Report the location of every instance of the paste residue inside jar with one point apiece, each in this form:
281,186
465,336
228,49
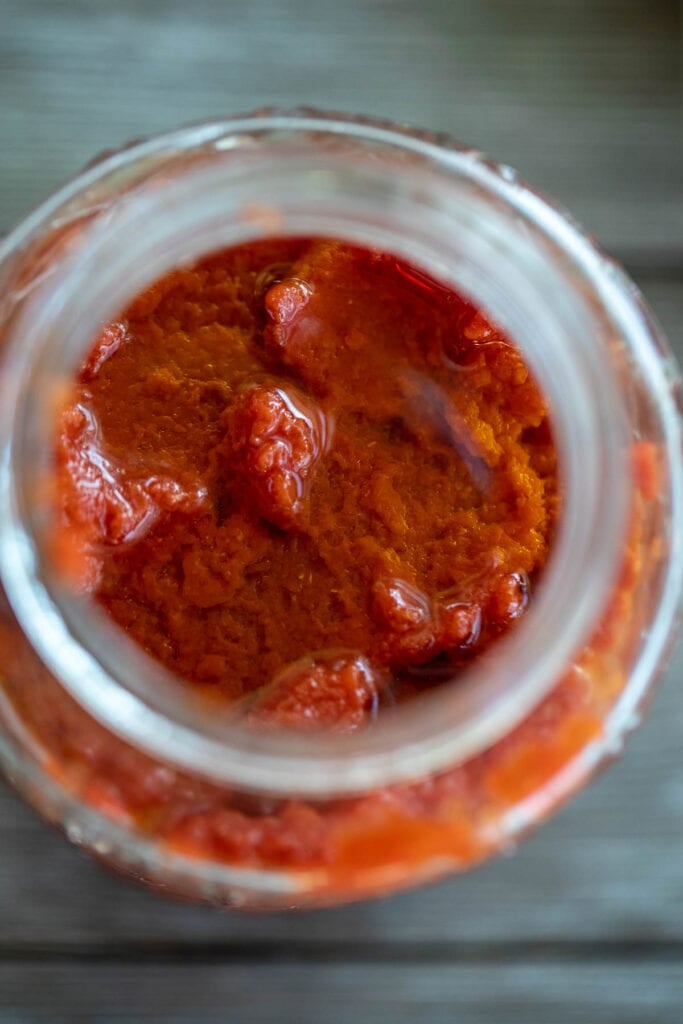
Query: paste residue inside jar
308,479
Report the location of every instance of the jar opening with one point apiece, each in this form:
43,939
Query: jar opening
464,224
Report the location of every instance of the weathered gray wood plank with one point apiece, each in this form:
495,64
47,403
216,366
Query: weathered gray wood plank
529,993
581,97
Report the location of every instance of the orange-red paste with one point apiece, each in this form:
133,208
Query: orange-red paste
307,478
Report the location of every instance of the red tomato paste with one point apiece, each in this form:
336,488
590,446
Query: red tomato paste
307,478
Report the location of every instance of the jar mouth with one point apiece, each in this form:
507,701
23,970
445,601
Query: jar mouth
466,223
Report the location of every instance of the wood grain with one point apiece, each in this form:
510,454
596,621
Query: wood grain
535,993
581,97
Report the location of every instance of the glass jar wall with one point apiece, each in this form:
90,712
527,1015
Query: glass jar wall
103,741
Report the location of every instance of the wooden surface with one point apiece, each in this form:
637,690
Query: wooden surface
585,923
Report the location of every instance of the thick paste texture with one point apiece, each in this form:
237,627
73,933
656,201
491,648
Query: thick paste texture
307,479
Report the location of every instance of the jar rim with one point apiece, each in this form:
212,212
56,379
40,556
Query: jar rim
64,633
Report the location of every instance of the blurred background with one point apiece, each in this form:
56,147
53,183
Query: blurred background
586,922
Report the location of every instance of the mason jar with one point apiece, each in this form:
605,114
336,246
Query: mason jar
104,742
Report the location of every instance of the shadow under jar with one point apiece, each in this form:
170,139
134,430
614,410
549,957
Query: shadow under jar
167,782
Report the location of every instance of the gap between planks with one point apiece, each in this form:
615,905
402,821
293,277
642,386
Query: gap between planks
553,951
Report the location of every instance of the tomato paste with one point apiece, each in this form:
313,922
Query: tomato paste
307,478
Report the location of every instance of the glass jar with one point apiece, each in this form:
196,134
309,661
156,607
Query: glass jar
100,739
